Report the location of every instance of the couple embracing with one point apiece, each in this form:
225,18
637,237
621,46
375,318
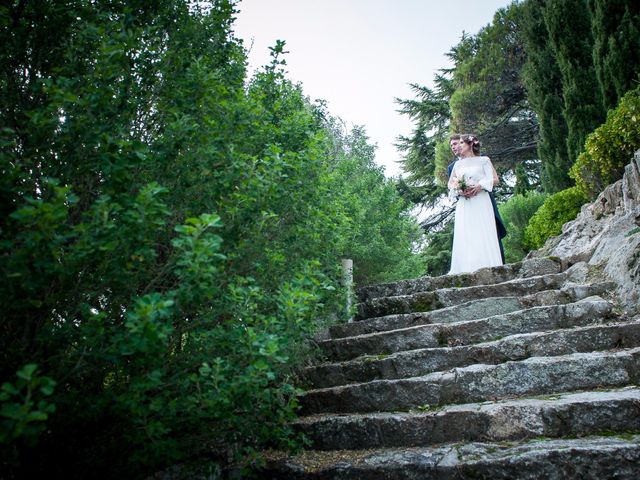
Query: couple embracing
478,227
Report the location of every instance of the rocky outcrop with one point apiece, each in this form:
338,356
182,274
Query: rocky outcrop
606,235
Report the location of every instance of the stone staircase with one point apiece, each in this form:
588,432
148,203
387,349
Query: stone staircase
524,371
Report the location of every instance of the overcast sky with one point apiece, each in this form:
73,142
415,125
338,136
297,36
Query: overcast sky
359,55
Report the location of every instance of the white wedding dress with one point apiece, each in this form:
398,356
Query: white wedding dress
475,240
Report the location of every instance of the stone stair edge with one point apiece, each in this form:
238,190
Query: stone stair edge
632,350
630,391
552,416
513,281
499,349
426,334
480,382
543,291
525,267
486,343
590,299
598,456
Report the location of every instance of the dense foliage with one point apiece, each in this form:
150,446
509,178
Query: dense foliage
171,236
516,213
541,75
556,210
609,148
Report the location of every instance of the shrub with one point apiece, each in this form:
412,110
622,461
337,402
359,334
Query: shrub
556,210
609,148
516,213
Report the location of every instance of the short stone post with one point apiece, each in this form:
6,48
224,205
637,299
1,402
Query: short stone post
347,281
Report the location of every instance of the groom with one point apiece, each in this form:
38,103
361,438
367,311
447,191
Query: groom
454,143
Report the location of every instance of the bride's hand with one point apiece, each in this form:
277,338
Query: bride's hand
472,191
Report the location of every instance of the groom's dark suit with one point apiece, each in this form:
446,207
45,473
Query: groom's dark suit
502,231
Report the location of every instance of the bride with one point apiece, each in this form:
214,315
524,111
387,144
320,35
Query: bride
475,240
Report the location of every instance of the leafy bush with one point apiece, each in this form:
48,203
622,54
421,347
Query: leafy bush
556,210
610,147
172,236
516,213
24,409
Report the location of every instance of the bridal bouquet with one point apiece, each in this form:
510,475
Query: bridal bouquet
461,184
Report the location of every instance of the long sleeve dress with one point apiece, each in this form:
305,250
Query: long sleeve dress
475,240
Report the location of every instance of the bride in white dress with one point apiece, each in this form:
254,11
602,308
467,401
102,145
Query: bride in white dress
475,241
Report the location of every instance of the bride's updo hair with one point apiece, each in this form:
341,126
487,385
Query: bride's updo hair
471,139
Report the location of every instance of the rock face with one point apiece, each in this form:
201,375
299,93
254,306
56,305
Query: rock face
524,371
606,234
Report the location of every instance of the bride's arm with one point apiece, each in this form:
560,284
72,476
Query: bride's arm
489,177
496,180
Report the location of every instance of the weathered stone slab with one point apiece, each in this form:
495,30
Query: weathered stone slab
576,414
593,458
465,332
481,308
475,383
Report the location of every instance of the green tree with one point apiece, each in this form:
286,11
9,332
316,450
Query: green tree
615,26
430,112
609,147
383,237
542,78
569,25
437,254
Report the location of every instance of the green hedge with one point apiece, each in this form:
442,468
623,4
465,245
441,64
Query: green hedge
557,209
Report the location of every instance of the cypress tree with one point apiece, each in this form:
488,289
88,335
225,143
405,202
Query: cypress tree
616,49
569,26
543,82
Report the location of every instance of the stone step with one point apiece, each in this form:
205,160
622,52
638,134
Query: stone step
586,311
471,310
484,276
573,414
420,362
590,458
447,297
476,383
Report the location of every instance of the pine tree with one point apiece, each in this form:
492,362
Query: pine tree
616,49
569,26
543,82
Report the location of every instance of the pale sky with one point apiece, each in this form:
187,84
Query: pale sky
359,55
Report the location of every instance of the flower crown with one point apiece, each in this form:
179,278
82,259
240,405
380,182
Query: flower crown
468,138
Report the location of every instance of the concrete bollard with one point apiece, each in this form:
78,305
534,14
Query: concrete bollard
347,281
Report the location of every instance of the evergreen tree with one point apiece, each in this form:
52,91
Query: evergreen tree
543,82
569,26
430,113
616,50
